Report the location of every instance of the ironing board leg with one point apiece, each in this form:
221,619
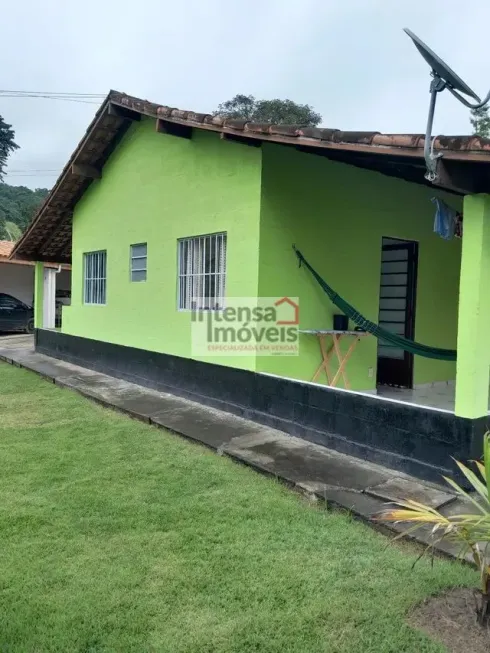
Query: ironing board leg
324,365
343,362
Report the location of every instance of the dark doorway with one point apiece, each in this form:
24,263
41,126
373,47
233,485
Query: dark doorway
397,309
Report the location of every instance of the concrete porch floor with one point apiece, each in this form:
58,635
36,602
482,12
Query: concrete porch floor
437,395
345,482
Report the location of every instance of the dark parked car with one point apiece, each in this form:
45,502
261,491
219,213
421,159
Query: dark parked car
15,315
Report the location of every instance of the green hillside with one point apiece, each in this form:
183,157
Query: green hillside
18,205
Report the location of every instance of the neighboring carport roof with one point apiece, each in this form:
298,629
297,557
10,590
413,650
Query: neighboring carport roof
465,167
6,249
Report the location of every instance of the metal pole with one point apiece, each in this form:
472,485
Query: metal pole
436,86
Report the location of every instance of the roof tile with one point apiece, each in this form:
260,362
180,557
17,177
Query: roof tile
6,247
54,217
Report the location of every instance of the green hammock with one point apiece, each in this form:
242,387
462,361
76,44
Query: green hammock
383,334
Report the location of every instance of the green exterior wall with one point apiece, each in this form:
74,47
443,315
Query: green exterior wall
157,188
337,215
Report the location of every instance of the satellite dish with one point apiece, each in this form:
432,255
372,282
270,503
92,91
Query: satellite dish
444,77
440,68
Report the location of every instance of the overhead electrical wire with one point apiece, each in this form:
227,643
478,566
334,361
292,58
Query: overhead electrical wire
50,97
54,93
82,98
33,174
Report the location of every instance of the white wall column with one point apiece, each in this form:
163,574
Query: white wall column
49,298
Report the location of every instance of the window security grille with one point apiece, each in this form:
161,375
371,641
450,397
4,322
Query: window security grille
201,272
94,277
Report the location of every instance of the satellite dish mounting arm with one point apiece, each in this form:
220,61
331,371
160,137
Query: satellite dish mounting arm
464,101
436,86
443,77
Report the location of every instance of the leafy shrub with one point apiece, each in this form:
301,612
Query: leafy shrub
470,531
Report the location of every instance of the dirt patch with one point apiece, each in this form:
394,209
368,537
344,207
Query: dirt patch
451,620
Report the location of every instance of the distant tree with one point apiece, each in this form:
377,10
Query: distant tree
276,112
7,144
18,205
480,121
241,106
12,230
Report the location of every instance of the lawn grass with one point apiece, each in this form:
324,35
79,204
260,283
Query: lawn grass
117,536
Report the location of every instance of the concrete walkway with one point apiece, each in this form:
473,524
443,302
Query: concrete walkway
342,481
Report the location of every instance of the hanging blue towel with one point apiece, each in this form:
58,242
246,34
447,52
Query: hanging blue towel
445,219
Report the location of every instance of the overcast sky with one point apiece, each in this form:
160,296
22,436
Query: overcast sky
349,59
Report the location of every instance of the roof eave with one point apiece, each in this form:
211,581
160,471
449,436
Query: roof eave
362,149
17,251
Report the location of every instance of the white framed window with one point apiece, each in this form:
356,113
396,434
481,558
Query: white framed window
139,262
94,277
201,272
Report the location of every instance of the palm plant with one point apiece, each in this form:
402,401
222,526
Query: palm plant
470,531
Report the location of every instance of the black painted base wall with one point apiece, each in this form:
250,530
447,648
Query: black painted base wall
413,439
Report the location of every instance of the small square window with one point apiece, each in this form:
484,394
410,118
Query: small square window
138,262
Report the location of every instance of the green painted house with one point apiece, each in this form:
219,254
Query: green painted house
157,204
